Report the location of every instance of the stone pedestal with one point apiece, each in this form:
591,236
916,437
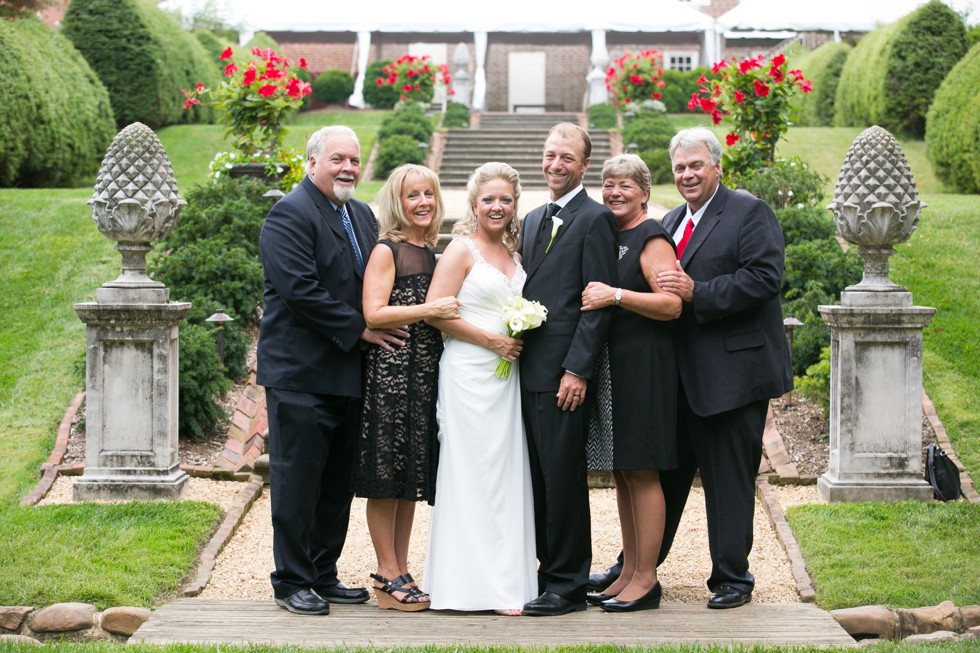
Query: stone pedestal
131,360
131,402
875,398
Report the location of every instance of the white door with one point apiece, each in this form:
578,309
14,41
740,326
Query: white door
525,81
438,55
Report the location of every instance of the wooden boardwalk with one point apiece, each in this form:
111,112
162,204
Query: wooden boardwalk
197,620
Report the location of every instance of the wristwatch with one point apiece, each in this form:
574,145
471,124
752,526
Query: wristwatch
618,297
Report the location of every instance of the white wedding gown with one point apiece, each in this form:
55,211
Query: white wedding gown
481,553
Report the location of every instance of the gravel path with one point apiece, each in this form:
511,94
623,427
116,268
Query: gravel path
242,570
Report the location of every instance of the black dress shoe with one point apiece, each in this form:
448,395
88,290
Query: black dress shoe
727,596
599,582
649,601
304,602
596,599
340,593
550,604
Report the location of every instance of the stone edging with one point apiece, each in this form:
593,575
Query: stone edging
778,468
24,624
804,584
232,520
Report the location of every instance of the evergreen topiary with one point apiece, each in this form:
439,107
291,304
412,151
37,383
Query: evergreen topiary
394,151
333,86
891,76
143,56
679,86
457,116
55,120
823,67
379,96
650,132
603,116
953,126
201,381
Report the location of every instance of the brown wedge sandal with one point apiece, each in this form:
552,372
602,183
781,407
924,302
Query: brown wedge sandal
413,601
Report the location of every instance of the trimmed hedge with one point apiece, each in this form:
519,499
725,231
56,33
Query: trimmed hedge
651,132
823,67
678,87
891,76
333,86
457,116
213,44
144,57
55,120
953,126
379,97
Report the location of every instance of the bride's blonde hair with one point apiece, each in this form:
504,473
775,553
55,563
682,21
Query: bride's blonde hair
466,226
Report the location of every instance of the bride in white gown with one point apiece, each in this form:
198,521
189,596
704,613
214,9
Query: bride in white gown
481,553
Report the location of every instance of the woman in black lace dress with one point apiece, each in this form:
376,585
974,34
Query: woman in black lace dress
396,462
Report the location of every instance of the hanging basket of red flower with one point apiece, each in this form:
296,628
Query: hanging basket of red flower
415,78
634,78
253,101
757,97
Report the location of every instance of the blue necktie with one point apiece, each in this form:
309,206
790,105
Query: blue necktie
349,228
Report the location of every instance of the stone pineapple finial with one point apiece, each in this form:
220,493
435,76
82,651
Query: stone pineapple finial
135,201
876,204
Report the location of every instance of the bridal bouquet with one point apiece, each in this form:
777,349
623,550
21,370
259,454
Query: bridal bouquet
520,315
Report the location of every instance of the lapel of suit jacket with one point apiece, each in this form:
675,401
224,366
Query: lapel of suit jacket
567,215
709,220
332,218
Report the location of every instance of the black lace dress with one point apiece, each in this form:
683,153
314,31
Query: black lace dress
397,448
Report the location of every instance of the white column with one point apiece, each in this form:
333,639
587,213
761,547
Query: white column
597,76
363,50
480,77
712,46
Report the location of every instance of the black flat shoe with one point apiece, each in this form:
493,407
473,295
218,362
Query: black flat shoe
596,599
649,601
602,580
550,604
340,593
305,602
727,596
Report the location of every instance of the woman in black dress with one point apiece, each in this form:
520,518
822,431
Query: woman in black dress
396,462
643,377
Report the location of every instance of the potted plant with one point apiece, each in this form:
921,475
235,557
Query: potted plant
253,102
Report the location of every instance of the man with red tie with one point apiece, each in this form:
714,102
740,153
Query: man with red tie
732,356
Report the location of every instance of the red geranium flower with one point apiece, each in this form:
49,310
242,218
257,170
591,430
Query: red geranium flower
806,85
249,76
731,139
226,54
268,90
231,69
762,90
739,97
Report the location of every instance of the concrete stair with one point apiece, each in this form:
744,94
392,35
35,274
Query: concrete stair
515,138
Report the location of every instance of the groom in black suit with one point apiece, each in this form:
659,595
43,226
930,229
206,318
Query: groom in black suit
565,244
313,247
732,355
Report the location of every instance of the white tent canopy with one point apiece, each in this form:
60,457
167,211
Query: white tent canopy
825,15
443,16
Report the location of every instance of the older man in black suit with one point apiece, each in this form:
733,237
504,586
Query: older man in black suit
566,244
313,247
732,355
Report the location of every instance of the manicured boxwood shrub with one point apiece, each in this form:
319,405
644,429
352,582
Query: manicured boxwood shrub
650,132
953,126
457,116
804,223
202,379
333,86
678,87
891,76
406,122
144,57
822,67
211,260
787,182
603,116
55,119
379,97
394,151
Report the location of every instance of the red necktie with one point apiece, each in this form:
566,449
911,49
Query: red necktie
688,230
